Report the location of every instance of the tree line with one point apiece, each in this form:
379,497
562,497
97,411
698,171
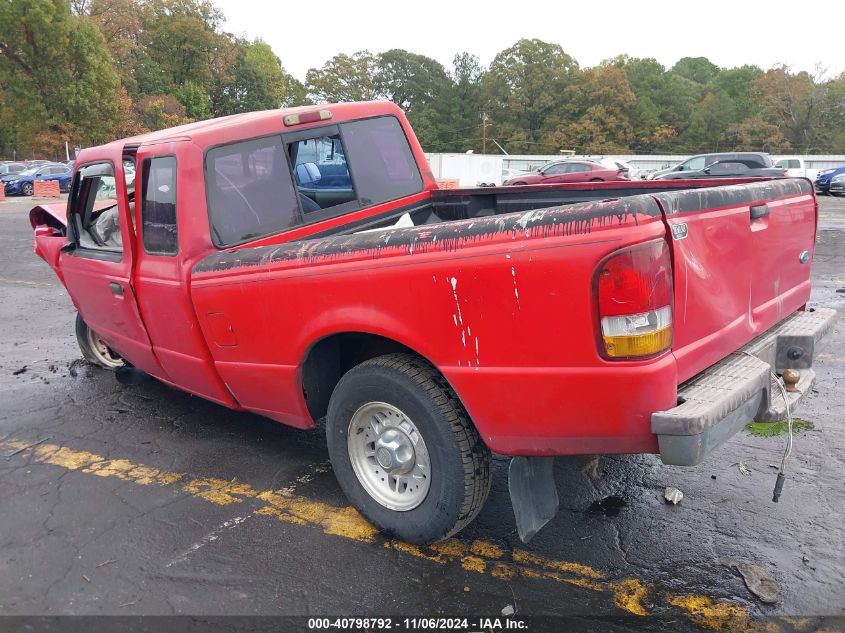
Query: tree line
89,71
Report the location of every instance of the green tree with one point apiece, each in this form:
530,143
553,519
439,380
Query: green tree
527,88
56,73
698,69
179,36
343,78
194,100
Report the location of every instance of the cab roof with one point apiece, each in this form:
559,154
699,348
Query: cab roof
251,124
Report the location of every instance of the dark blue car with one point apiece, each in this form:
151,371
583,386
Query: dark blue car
22,183
831,181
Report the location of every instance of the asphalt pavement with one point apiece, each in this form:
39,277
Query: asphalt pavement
145,500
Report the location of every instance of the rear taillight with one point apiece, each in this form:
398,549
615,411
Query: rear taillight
634,287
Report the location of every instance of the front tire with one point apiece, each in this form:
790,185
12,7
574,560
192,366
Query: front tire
94,349
404,450
26,189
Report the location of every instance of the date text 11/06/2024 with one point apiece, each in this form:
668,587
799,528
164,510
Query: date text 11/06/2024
464,625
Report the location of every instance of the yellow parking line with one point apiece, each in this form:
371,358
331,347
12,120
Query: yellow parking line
479,556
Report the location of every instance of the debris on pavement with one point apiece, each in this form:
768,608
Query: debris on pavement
20,371
673,495
27,447
609,506
758,581
508,610
745,470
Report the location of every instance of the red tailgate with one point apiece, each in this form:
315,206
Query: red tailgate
742,257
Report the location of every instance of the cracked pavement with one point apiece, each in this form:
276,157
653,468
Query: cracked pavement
72,542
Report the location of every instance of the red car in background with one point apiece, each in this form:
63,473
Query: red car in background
569,171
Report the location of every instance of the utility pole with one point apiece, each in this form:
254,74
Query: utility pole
485,122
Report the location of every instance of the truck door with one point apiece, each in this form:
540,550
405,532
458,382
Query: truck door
97,262
166,192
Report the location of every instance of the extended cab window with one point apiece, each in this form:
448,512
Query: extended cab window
249,191
158,206
95,216
694,164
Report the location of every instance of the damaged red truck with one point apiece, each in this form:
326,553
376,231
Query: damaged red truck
303,264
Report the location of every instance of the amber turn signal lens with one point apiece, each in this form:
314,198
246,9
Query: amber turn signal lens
634,345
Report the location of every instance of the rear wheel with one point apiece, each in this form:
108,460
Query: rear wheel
404,450
93,348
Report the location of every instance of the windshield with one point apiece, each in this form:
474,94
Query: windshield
29,172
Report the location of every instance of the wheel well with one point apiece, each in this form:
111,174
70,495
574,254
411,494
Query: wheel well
332,357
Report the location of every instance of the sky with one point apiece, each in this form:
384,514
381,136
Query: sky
307,34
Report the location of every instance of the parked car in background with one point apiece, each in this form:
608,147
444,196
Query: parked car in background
837,185
632,173
824,181
797,168
23,183
701,161
509,174
11,168
569,171
732,168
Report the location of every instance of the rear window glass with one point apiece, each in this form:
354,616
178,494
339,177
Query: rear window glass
383,166
249,191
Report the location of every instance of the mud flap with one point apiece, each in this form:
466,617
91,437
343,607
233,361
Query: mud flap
130,376
533,494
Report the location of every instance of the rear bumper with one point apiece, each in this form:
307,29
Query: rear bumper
719,401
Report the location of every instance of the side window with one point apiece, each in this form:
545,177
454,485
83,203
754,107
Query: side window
728,168
94,209
249,191
694,164
794,164
580,167
158,206
321,173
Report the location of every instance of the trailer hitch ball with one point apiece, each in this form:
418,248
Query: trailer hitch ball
790,379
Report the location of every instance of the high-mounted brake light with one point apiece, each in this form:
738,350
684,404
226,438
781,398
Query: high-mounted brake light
307,117
634,288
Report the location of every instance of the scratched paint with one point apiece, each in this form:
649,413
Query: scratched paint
691,200
480,557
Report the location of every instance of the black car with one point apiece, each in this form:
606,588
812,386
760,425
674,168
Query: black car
700,161
730,168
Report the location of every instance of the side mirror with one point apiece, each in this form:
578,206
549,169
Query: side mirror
706,170
679,168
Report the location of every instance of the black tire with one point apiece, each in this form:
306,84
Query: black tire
518,184
459,461
26,189
105,358
596,180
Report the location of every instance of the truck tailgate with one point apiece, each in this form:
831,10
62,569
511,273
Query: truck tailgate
742,259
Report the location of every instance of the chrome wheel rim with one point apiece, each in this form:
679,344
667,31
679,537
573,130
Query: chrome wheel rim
389,456
103,353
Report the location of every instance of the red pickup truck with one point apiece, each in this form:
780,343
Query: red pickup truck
303,264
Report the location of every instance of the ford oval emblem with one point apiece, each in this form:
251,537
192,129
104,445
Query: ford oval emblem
804,257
